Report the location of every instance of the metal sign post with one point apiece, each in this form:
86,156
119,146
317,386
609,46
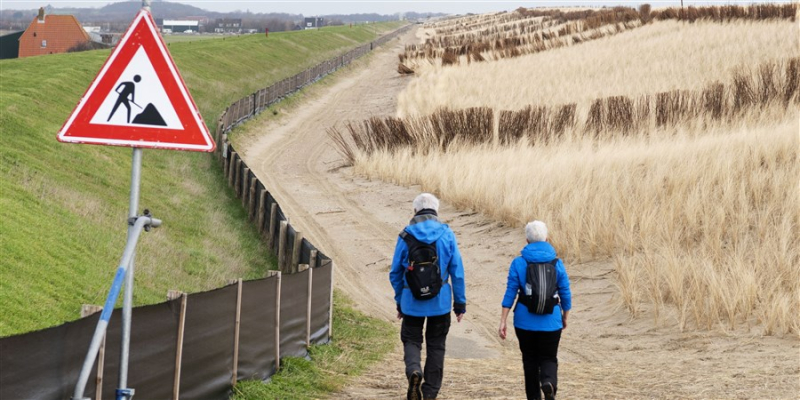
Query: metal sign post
124,274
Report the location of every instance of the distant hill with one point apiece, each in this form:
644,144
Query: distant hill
117,16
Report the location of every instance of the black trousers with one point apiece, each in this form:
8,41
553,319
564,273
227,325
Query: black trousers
539,359
435,337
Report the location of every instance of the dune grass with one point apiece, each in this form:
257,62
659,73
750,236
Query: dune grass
699,217
63,207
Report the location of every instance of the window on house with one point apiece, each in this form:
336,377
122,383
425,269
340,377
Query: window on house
44,43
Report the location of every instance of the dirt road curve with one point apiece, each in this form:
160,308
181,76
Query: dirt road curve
603,353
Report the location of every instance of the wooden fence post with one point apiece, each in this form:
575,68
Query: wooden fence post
273,219
312,259
176,388
251,201
245,189
298,244
262,208
330,311
304,267
87,310
237,177
282,246
231,168
277,274
236,332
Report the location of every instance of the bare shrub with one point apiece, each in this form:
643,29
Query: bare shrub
644,13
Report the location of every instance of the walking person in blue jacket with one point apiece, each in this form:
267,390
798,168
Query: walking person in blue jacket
538,334
415,304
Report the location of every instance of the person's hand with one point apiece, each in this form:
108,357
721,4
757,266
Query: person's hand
399,312
502,330
460,309
564,320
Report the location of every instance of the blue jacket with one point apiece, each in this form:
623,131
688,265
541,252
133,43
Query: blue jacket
428,229
523,319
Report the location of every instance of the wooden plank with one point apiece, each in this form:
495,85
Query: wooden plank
298,244
262,210
245,187
237,177
176,388
330,311
304,267
87,310
282,246
278,323
251,201
231,168
236,332
312,262
273,219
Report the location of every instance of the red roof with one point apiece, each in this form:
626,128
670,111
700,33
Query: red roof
54,34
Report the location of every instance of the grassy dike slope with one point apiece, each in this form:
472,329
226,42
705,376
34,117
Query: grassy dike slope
63,206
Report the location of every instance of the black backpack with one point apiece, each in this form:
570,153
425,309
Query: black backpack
540,293
423,274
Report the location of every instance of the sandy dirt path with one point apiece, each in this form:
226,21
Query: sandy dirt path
603,353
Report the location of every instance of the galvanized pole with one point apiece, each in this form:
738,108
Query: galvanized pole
123,393
127,305
111,299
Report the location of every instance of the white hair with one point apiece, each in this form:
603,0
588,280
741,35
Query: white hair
426,200
536,231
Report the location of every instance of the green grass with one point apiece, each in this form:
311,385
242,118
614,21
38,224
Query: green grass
192,38
63,207
358,343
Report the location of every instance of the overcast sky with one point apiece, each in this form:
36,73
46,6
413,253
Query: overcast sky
318,7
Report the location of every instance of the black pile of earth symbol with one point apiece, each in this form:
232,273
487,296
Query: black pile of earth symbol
150,116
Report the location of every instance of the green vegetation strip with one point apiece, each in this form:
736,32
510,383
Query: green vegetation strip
63,206
358,342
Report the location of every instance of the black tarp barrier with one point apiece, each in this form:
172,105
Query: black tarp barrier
153,345
305,252
45,364
257,329
294,305
320,303
208,344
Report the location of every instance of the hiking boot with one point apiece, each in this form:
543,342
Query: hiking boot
415,386
549,391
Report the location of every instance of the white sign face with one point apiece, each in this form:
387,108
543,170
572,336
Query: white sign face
138,99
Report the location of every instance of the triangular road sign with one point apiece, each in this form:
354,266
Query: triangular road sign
138,99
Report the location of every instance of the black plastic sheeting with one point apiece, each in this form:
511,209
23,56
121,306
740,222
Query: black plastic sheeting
320,303
293,314
208,344
153,345
257,329
45,364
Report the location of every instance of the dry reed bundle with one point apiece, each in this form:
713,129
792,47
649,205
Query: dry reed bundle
512,125
792,80
713,98
744,93
471,125
402,69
